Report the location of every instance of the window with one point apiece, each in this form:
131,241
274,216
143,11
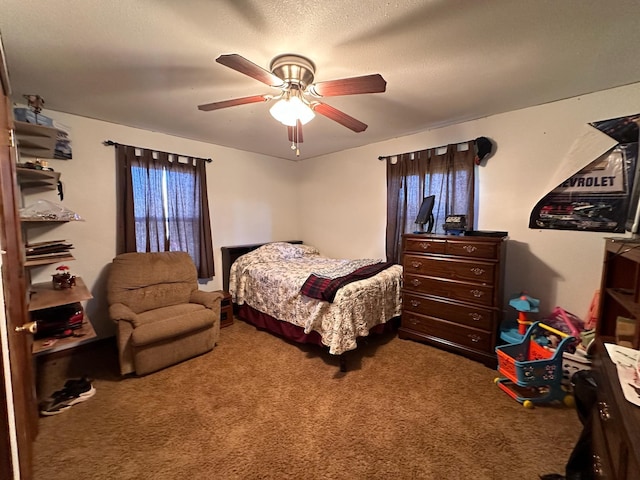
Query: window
163,205
446,173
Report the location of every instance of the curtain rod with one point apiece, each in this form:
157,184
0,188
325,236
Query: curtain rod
109,143
384,157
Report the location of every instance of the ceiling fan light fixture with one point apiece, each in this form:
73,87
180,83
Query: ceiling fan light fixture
289,110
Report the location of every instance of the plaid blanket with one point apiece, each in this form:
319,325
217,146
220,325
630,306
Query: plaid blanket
323,288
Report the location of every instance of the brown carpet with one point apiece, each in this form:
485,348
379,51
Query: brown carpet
258,407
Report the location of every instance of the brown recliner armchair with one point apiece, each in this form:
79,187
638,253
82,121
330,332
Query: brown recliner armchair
161,315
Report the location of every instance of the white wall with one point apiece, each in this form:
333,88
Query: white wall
338,202
345,195
253,198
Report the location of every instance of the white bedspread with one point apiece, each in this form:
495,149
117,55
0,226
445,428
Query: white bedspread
269,279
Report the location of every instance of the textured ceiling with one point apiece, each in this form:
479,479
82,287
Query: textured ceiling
149,63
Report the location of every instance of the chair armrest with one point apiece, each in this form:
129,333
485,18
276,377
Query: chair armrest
119,311
209,299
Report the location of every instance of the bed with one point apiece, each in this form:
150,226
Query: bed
343,299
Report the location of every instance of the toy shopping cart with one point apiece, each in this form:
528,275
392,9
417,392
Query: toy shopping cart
533,374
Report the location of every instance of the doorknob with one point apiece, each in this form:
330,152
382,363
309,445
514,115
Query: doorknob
31,327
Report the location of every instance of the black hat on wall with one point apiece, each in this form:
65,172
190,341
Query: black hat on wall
484,149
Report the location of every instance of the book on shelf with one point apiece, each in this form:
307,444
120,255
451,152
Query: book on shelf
45,243
51,256
41,248
54,249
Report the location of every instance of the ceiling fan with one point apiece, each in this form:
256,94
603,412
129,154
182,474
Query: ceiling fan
297,102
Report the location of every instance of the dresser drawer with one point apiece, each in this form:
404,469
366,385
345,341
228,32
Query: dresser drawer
466,292
469,248
612,447
474,271
610,424
460,335
601,461
424,245
473,316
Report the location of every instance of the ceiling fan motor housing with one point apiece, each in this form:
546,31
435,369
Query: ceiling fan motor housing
294,69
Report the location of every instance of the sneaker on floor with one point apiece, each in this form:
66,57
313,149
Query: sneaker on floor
64,399
71,386
77,381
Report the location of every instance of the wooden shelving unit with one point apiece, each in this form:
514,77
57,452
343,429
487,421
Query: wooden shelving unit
620,289
82,335
36,140
42,220
48,261
32,140
43,295
32,178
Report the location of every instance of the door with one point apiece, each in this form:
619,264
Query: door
18,405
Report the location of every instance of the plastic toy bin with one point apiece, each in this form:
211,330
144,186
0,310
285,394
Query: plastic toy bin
529,363
533,374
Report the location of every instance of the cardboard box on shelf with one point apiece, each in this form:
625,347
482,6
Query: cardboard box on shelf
625,330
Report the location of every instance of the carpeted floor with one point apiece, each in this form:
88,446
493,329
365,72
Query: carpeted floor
258,407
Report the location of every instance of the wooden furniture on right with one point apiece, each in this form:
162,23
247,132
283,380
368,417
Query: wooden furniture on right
616,421
616,424
620,288
452,293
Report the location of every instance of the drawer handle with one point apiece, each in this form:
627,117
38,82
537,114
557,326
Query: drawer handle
477,271
425,245
469,248
597,466
476,293
603,411
413,321
415,282
475,338
415,303
416,264
475,316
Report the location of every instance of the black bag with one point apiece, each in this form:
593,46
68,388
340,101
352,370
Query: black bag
580,463
58,321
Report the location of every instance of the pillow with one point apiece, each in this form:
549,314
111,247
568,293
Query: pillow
271,252
307,250
283,251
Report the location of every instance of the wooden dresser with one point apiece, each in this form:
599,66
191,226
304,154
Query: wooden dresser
452,293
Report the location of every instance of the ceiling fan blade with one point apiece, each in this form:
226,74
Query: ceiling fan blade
242,65
340,117
295,134
349,86
207,107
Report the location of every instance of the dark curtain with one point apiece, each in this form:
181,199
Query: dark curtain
412,176
163,205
